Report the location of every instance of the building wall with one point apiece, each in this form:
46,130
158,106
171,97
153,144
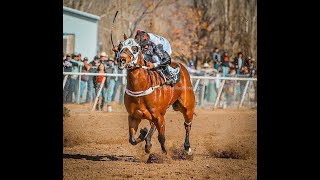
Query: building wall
86,33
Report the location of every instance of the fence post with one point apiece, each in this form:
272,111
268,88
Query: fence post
78,98
219,93
202,93
65,80
244,93
98,94
196,85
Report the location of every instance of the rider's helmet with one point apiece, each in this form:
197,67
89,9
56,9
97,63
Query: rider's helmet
142,38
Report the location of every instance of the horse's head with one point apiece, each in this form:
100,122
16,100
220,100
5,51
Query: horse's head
128,54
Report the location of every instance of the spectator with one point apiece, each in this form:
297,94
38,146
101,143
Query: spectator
251,67
216,58
90,90
225,63
97,81
110,68
84,78
80,57
212,93
191,68
67,90
205,83
103,57
76,66
238,62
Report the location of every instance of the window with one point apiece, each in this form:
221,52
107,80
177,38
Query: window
68,43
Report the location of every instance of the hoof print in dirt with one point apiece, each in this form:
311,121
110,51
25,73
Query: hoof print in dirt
156,158
228,154
180,154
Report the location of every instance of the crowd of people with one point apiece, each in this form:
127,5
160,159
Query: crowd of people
100,64
240,66
220,66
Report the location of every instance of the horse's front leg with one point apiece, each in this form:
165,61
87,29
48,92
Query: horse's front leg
148,138
133,127
160,124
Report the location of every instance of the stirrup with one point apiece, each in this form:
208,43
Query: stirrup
170,81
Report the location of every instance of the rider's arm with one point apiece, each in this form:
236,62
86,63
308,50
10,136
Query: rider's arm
163,55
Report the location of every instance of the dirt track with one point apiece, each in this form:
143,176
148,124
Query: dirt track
224,146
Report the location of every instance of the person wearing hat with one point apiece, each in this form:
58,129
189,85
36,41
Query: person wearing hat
248,61
103,57
66,62
77,65
67,90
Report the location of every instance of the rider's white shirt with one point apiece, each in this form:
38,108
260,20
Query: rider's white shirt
161,40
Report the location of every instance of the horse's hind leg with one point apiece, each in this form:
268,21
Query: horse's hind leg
187,109
187,124
148,145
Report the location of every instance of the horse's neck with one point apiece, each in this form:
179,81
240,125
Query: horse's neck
138,80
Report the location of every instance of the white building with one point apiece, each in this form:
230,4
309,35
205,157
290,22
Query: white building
80,32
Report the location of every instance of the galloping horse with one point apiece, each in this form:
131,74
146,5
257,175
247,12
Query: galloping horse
148,97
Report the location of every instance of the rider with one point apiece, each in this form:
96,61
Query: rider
156,51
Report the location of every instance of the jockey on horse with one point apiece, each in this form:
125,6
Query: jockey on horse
156,51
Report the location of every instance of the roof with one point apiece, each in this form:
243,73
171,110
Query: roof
81,13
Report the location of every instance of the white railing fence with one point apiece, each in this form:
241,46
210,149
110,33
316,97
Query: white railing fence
209,91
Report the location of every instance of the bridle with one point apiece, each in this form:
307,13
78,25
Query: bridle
134,56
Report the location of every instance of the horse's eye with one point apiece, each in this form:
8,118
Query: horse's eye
134,49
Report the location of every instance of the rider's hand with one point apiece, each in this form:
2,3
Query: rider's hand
115,49
150,65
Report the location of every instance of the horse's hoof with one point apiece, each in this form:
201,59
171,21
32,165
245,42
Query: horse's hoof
164,152
143,133
189,152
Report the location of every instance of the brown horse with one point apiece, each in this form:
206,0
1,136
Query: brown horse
147,97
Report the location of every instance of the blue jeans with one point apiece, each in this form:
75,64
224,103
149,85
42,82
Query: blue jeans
82,87
115,89
73,88
216,66
110,90
90,92
225,70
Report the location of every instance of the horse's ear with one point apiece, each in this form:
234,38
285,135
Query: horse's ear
125,36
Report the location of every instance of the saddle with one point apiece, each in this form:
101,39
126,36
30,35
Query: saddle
170,75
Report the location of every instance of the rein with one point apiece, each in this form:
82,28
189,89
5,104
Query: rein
133,65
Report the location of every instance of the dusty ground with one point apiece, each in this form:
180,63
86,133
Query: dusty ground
96,146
